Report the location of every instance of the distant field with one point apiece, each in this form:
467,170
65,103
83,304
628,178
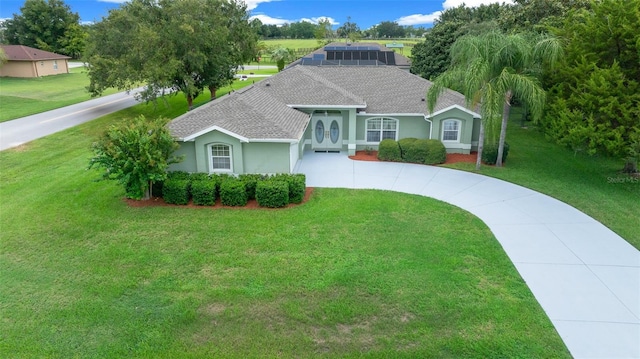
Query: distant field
311,44
21,97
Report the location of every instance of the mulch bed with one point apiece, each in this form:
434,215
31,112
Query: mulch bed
451,157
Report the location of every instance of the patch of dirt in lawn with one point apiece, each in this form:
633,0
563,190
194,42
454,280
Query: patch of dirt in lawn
451,157
252,204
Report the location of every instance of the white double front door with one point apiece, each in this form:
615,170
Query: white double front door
327,133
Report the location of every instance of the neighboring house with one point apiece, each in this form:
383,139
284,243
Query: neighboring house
354,54
265,128
24,61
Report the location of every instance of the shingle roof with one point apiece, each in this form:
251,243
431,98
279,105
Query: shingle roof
251,113
26,53
264,109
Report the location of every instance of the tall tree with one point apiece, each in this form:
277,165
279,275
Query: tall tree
489,69
324,31
431,57
594,102
45,25
348,30
389,29
182,45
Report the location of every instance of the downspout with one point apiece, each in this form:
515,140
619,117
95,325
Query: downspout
426,118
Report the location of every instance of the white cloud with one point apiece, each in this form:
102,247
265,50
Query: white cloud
268,20
252,4
418,19
471,3
316,20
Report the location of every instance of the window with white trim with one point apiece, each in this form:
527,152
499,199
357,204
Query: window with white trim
381,128
55,64
220,158
451,130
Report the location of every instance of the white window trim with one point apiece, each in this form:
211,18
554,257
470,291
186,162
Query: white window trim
210,154
366,125
459,130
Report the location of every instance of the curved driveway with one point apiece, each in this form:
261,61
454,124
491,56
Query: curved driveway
585,277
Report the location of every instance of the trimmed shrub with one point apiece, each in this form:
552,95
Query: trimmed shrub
198,176
404,144
233,192
250,182
204,192
297,185
156,189
388,150
272,193
181,175
490,153
415,151
176,191
436,153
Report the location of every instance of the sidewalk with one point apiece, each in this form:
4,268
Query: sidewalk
585,277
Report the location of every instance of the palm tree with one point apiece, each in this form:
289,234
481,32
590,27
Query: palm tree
491,69
281,55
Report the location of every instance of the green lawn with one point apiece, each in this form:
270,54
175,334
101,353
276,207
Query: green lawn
348,274
594,185
21,97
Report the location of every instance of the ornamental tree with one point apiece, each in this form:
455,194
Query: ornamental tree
136,153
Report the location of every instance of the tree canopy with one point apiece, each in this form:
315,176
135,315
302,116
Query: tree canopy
176,45
47,25
136,154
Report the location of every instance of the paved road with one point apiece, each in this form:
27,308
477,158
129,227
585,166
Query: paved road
25,129
585,277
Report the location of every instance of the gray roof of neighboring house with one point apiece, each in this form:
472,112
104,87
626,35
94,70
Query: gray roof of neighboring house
401,60
26,53
264,109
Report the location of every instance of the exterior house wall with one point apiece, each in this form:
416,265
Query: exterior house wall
261,157
188,164
202,152
34,68
408,126
463,145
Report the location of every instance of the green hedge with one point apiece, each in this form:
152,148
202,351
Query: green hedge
490,153
233,192
176,191
416,152
204,192
388,150
297,184
250,182
405,144
436,153
273,193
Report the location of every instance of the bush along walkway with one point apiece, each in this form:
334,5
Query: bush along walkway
585,277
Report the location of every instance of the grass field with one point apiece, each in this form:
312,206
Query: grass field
349,273
594,185
21,97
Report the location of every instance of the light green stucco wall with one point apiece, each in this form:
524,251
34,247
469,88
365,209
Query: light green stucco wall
266,157
408,126
466,131
188,164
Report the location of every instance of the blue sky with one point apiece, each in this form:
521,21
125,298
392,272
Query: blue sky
365,13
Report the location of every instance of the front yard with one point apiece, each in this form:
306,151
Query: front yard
349,273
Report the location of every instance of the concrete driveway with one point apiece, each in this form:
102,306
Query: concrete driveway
585,277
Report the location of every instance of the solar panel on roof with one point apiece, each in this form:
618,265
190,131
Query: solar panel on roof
318,56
